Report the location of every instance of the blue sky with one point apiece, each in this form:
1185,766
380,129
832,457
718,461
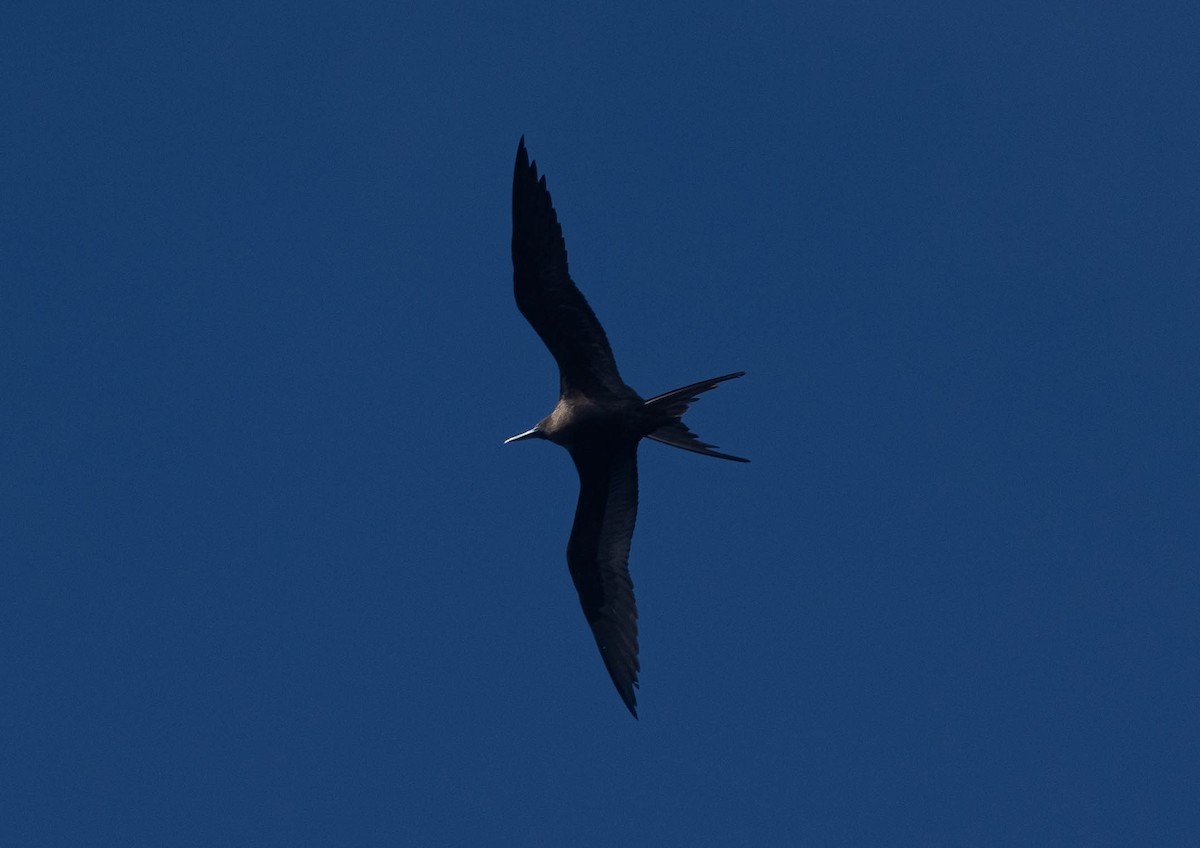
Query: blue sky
270,578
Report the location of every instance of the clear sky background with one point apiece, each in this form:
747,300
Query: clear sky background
269,577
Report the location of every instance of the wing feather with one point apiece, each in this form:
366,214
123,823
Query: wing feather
547,296
598,557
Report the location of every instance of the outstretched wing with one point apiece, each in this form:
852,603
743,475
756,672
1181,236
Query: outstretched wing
545,293
598,556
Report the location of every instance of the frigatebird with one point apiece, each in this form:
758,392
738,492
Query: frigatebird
598,419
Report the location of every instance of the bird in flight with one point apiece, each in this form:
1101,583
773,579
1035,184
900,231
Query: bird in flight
598,419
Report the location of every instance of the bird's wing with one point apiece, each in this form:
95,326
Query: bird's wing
598,556
545,293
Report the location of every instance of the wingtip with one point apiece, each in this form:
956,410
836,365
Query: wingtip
630,700
522,156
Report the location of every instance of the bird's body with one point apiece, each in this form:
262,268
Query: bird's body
579,420
598,419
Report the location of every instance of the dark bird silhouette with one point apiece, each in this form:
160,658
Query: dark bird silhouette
598,419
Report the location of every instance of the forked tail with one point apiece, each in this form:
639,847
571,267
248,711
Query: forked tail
673,405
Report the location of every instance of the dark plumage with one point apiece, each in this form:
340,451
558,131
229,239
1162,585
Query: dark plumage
598,419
